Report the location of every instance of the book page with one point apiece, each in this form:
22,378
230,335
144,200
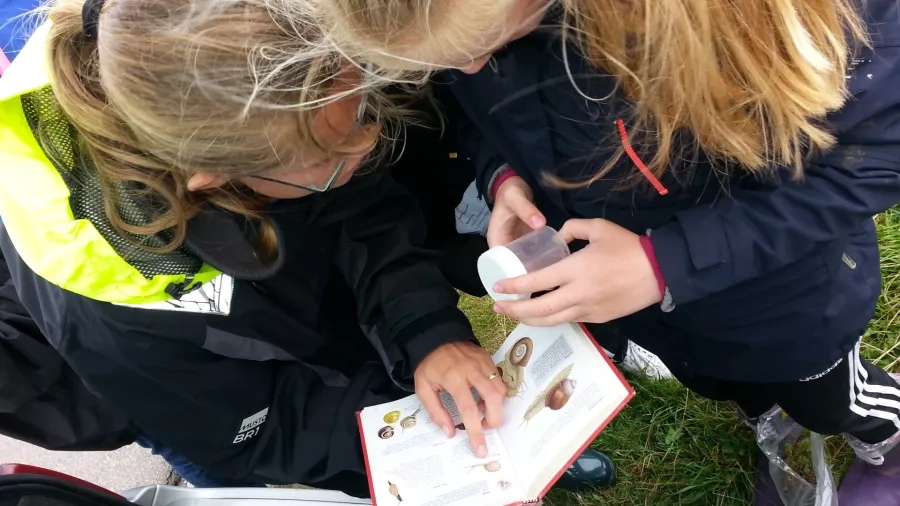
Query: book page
413,463
560,390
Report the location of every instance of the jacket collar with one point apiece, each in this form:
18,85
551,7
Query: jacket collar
226,242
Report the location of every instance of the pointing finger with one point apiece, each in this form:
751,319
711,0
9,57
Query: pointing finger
471,417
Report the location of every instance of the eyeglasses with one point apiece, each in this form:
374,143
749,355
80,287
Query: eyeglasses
360,114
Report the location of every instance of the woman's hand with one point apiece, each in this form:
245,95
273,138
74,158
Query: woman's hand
514,213
456,368
610,278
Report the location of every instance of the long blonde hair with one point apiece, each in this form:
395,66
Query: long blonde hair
751,80
169,88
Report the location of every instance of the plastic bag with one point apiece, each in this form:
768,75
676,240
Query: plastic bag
774,433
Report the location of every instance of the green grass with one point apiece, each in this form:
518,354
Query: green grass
674,448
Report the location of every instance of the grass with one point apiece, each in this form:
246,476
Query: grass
674,448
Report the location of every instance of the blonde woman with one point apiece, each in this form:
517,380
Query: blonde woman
720,162
182,218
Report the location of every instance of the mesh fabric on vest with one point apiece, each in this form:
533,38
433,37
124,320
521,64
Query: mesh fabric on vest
56,135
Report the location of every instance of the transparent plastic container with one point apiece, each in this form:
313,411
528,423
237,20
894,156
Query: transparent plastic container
532,252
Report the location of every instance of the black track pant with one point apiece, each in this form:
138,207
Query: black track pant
853,396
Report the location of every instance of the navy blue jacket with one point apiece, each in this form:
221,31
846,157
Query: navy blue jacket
772,281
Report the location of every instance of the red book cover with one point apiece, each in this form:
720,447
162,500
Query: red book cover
362,437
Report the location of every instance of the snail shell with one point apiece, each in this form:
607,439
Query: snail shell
521,352
492,467
560,395
408,422
568,386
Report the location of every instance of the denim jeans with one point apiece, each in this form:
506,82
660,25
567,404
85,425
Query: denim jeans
191,472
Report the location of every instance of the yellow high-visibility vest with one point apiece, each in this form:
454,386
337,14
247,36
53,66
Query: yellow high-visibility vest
34,200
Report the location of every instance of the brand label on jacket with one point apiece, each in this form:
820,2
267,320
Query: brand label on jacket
212,297
250,426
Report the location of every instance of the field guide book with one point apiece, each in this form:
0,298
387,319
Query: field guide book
561,391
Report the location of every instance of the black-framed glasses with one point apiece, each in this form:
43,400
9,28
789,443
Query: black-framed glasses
360,115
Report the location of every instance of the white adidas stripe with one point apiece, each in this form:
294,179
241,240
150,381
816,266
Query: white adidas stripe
857,383
879,389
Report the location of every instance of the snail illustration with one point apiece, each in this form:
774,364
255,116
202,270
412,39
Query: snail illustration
394,491
392,417
491,467
386,432
410,421
555,396
512,370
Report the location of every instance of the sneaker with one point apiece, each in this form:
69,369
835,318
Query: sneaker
639,360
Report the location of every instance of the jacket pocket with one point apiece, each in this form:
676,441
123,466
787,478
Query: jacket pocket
800,291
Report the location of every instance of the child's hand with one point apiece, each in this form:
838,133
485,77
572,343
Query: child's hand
514,213
610,278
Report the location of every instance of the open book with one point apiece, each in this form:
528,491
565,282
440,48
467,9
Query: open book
562,390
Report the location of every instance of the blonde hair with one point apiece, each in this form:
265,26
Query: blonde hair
170,88
399,36
751,80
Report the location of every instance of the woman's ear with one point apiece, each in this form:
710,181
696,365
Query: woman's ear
205,181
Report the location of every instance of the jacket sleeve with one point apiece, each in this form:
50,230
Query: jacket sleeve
272,421
486,159
750,233
405,305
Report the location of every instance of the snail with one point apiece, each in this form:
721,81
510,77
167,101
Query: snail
520,353
559,396
394,491
410,421
386,432
512,370
492,467
392,417
555,396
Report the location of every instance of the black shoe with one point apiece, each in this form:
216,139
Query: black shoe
591,470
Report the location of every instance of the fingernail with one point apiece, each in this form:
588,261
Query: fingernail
481,452
497,309
448,430
535,221
498,288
